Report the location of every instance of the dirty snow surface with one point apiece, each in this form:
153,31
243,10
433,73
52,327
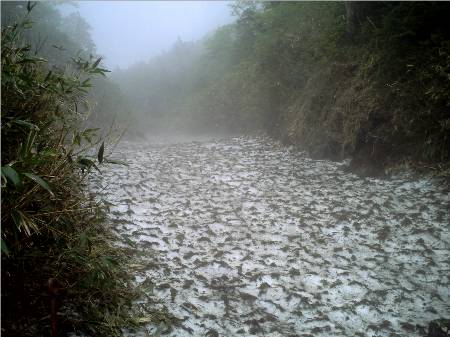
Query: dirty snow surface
244,237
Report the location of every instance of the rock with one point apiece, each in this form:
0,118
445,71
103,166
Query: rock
212,333
439,328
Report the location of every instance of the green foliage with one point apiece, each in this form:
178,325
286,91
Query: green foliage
295,69
54,37
66,41
51,228
8,173
407,48
240,76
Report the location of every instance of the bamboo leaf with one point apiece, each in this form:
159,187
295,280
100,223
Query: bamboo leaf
40,182
59,48
25,150
101,152
86,163
32,60
109,261
86,83
100,71
48,76
9,173
76,139
5,249
90,131
24,222
27,124
97,62
84,241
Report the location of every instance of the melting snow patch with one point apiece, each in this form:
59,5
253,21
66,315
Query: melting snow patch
244,237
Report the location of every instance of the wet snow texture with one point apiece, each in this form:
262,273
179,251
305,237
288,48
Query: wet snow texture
247,238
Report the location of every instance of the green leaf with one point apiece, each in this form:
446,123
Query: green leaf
88,134
109,260
144,320
84,241
24,222
86,163
5,249
9,173
101,152
48,76
89,131
100,71
76,139
58,47
40,182
97,62
4,181
32,60
25,149
86,83
27,124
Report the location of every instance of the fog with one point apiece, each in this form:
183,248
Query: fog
127,32
211,168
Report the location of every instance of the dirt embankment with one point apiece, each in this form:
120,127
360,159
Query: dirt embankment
342,113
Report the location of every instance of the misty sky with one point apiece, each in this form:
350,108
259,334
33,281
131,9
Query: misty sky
127,32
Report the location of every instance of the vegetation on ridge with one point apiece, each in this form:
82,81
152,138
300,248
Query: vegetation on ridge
363,80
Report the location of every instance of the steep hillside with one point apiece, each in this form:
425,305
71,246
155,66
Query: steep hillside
387,101
369,81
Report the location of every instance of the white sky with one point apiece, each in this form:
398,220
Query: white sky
127,32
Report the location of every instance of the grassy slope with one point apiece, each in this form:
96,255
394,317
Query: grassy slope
386,101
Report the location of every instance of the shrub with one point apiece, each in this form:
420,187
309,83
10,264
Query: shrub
53,233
